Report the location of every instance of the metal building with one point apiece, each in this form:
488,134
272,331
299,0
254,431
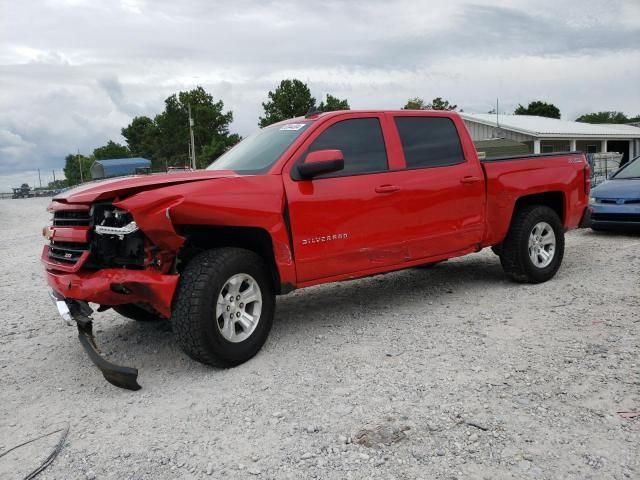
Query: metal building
118,167
546,135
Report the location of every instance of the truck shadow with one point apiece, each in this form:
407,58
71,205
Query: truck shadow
345,306
340,303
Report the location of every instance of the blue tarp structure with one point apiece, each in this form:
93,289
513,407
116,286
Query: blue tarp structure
117,167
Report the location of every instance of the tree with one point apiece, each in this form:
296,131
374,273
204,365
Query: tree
333,103
72,166
141,136
292,98
603,117
56,184
415,103
439,104
165,139
539,108
111,150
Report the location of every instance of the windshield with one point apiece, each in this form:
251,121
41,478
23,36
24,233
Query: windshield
630,170
257,152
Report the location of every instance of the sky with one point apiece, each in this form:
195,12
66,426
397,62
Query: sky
74,72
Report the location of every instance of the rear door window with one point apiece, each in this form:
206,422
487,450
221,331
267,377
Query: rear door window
361,143
429,141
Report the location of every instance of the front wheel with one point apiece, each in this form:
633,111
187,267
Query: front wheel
533,249
224,306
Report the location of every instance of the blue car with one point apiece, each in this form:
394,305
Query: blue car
615,204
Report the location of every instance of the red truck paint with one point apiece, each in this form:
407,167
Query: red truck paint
321,230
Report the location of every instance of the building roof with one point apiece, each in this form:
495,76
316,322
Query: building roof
544,127
135,161
114,167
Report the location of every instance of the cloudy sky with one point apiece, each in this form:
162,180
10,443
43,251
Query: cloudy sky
74,72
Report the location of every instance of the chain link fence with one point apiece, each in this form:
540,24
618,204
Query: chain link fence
603,165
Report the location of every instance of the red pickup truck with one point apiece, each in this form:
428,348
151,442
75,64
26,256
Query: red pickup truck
322,198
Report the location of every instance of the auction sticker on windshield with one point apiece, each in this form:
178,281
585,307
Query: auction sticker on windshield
293,126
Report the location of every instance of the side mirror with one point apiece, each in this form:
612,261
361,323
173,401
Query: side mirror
321,161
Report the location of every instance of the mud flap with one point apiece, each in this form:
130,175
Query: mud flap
73,310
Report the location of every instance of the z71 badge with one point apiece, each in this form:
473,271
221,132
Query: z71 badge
325,238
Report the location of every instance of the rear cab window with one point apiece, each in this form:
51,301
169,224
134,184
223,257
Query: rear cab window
361,142
429,141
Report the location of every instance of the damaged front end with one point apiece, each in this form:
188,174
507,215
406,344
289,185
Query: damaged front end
99,254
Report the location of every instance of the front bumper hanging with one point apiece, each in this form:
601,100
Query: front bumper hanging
74,311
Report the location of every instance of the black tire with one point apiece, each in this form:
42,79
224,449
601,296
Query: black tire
137,313
514,256
194,307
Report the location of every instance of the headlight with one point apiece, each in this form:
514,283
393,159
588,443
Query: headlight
592,200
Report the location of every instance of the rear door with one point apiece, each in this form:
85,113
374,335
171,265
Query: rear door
443,190
347,221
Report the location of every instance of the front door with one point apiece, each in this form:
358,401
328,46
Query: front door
347,221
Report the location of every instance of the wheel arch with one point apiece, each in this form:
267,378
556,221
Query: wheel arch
554,200
255,239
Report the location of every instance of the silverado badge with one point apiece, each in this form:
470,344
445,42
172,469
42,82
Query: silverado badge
325,238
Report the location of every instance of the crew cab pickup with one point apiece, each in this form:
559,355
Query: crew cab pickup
316,199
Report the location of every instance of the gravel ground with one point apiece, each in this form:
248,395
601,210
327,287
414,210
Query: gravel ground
458,372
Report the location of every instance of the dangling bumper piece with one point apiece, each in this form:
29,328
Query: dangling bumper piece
78,312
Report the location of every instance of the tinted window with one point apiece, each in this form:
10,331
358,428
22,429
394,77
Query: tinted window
361,143
429,141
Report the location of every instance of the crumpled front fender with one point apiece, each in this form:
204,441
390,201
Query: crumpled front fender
152,213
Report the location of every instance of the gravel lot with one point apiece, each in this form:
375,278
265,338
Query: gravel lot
464,374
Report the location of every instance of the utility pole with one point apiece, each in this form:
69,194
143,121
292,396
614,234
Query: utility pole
193,146
39,178
54,175
80,163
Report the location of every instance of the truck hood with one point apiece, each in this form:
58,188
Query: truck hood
121,187
627,189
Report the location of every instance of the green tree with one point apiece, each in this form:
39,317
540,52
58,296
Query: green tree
211,125
439,104
292,98
111,150
73,164
603,117
165,139
415,103
331,104
539,108
141,136
62,183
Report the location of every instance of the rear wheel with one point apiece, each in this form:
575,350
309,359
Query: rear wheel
533,249
224,306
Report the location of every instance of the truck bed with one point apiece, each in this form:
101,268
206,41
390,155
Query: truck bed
511,177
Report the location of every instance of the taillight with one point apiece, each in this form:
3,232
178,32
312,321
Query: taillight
587,178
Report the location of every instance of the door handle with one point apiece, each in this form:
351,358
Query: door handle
387,188
469,180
